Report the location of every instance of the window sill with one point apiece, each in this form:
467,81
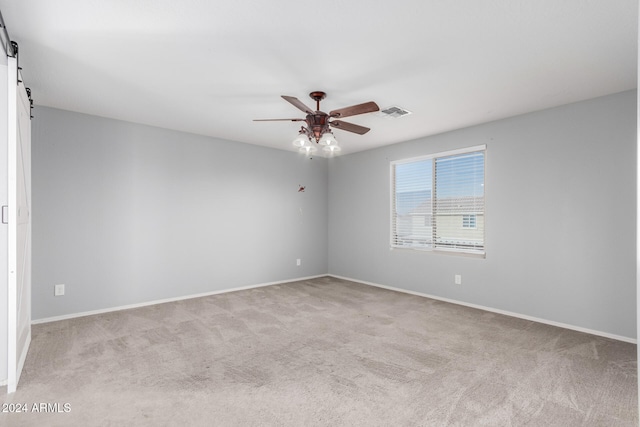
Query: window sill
467,254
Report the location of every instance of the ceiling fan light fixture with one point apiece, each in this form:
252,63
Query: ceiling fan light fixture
328,139
302,140
308,149
332,148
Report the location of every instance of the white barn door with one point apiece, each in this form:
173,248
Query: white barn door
19,226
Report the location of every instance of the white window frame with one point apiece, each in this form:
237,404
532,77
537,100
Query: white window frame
434,156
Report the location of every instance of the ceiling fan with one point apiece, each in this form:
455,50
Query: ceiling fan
318,122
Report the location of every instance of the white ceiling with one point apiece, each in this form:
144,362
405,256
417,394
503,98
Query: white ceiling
210,67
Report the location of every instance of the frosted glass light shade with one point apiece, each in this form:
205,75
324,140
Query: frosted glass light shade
328,139
332,148
301,140
308,149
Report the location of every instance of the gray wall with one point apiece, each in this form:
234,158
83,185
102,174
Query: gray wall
560,224
125,213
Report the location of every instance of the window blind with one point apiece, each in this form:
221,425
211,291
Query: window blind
438,201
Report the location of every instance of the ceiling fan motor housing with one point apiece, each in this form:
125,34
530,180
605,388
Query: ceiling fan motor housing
318,124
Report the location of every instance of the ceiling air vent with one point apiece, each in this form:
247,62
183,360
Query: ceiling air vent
394,112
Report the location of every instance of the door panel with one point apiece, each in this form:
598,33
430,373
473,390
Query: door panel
19,231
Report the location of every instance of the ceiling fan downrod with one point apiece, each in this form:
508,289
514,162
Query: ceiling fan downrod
318,96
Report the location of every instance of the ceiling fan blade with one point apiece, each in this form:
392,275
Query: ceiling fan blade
278,120
298,104
349,127
354,110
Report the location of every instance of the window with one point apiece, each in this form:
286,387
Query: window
437,201
469,221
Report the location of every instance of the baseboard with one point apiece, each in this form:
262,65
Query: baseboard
495,310
162,301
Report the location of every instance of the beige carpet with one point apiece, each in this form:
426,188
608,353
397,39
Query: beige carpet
321,352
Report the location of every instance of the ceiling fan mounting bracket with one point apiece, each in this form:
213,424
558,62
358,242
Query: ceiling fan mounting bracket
318,96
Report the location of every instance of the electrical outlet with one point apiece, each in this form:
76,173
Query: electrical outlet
58,290
458,279
298,262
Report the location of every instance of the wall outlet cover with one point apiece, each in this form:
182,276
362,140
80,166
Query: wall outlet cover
58,290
